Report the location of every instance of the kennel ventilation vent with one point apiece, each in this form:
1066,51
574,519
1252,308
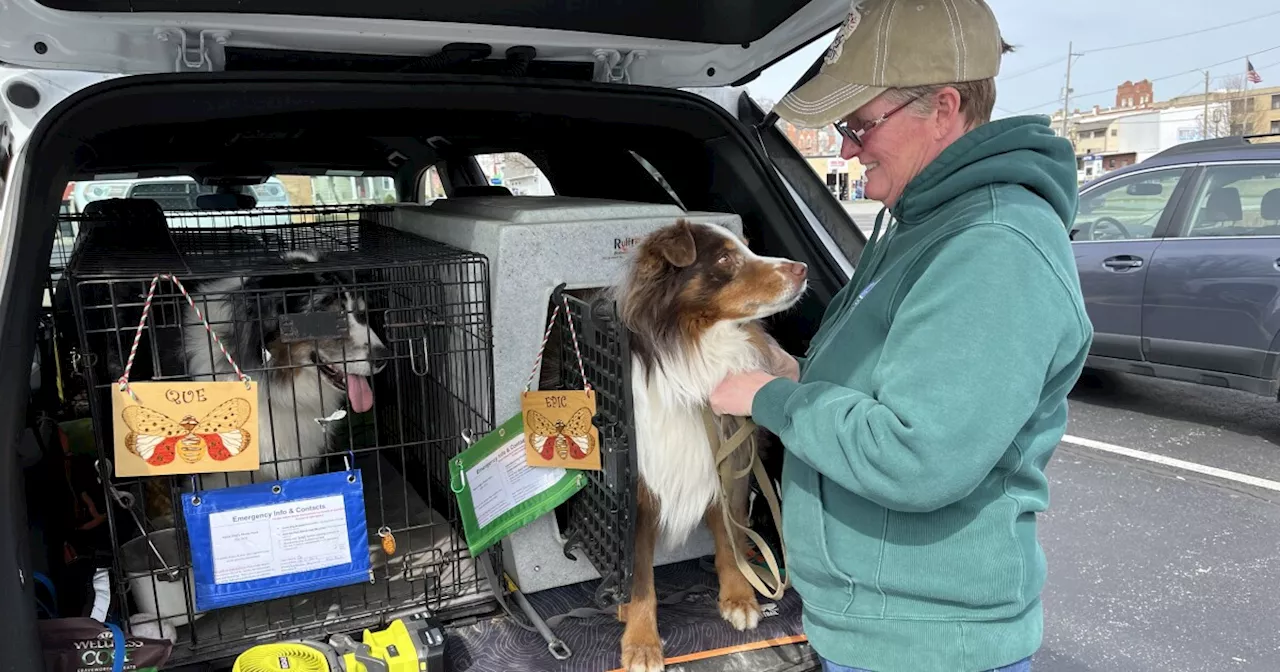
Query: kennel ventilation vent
428,303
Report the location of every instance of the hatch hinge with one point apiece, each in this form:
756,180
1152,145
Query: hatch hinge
613,67
196,52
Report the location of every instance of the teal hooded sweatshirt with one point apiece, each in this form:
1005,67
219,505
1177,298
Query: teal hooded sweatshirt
929,403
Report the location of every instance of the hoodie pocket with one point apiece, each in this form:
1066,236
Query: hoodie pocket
962,561
804,529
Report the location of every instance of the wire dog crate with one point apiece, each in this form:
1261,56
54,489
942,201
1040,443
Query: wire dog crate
418,324
599,521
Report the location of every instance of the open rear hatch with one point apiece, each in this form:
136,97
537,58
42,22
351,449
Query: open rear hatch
225,125
670,43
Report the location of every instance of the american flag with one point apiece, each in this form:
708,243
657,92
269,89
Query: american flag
1251,73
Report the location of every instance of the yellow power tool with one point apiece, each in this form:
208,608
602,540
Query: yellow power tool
411,644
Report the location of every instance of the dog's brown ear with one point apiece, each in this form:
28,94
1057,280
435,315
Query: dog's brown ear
675,244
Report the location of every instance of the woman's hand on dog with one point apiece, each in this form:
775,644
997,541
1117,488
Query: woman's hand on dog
734,394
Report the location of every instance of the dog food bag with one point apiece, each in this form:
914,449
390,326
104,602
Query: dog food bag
85,645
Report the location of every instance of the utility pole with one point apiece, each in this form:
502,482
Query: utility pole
1204,133
1066,91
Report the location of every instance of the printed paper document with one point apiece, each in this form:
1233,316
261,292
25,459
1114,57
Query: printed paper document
504,479
279,539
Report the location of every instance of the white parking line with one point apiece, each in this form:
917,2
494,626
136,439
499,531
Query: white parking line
1175,463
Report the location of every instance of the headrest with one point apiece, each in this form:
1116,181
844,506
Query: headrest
1270,208
130,216
136,223
479,190
1223,206
226,201
125,208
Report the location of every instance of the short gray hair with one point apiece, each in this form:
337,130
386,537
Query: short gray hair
977,97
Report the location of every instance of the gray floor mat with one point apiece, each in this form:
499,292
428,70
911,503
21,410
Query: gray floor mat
690,627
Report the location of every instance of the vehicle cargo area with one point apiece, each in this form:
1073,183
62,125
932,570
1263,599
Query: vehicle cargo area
351,255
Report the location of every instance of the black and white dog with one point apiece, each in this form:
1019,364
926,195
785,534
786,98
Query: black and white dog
302,383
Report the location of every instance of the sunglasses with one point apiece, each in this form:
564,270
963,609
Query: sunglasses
856,135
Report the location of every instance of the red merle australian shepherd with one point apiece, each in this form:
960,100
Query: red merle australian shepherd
692,302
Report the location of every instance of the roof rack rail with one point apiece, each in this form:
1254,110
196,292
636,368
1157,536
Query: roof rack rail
1229,142
1274,134
1197,146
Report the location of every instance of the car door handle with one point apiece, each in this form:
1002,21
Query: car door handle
1122,262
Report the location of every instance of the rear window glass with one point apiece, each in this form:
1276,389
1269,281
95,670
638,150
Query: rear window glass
512,171
180,193
515,171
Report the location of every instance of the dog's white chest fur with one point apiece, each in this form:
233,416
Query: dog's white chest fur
675,455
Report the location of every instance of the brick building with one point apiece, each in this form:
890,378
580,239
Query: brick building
1131,95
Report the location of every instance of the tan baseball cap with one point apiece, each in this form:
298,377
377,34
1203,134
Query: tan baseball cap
892,44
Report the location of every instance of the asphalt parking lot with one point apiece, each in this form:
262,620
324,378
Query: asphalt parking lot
1152,564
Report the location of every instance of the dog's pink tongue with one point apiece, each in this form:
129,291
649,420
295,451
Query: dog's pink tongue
359,392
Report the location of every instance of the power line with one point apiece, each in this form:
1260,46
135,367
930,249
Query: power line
1058,100
1114,47
1187,34
1248,95
1028,71
1185,91
1127,121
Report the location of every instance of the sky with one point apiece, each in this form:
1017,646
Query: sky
1031,79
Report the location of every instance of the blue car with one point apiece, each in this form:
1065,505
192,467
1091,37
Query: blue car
1179,260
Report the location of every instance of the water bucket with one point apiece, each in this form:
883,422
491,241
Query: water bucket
159,587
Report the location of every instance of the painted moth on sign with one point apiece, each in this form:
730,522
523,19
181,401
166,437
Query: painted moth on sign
558,429
167,428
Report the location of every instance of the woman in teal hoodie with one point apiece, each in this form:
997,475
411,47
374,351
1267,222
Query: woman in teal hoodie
918,425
